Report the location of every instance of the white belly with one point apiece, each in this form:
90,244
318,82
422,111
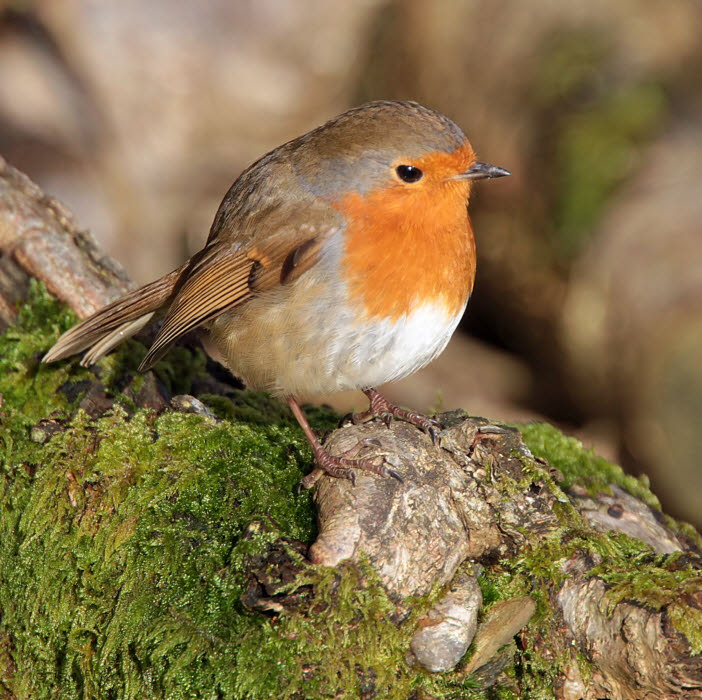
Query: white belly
387,350
309,343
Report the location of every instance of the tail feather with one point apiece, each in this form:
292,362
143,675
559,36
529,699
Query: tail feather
113,324
113,339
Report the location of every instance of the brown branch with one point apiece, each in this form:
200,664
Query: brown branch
39,239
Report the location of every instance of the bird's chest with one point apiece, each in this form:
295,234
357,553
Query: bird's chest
397,259
381,303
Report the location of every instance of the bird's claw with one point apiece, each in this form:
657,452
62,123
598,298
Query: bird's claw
395,475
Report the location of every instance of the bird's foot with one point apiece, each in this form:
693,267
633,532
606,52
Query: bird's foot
381,408
339,467
344,467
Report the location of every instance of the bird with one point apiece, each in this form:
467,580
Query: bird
343,259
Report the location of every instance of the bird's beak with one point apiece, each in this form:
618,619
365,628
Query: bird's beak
481,171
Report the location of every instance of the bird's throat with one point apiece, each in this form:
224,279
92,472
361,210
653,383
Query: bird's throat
407,248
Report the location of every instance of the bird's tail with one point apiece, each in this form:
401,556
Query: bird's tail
113,324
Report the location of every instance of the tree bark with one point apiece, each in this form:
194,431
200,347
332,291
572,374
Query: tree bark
39,239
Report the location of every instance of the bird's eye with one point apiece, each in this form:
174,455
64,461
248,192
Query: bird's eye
408,173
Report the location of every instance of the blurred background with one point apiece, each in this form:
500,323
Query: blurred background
587,310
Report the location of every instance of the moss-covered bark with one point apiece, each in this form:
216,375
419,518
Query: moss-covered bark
123,540
150,552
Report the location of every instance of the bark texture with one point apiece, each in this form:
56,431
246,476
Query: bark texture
40,240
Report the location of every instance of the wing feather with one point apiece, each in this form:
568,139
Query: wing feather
125,310
224,278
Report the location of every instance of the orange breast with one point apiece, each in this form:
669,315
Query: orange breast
406,245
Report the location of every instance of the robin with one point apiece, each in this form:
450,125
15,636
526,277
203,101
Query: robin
342,259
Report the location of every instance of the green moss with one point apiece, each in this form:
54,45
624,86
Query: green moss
580,465
126,550
121,539
259,408
30,390
346,643
658,582
502,694
176,370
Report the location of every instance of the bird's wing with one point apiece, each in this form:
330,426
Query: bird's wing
115,322
224,276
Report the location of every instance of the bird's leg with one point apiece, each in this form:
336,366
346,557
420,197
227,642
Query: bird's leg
381,408
340,467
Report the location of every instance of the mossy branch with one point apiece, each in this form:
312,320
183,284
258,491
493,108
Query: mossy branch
154,542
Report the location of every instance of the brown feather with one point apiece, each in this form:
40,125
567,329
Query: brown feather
140,302
222,284
223,279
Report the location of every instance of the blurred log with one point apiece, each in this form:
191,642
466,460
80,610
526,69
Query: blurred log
632,326
40,240
474,511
